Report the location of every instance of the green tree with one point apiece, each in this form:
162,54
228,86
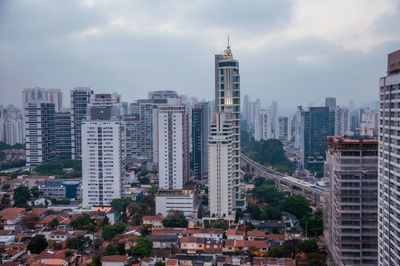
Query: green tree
291,248
120,205
276,252
247,178
268,194
37,244
53,223
144,181
220,223
22,196
5,201
30,220
142,248
145,231
314,223
77,242
35,192
109,231
309,246
159,263
175,219
68,255
111,249
81,221
297,205
96,260
5,187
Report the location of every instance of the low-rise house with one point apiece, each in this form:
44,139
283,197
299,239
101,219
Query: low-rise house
276,239
51,255
188,244
213,246
166,241
235,234
162,232
172,262
215,234
242,245
256,235
189,260
58,236
10,218
56,262
273,261
153,221
113,260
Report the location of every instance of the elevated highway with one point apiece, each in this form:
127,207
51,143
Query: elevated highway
285,183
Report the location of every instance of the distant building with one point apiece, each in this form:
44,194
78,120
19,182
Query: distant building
330,102
351,221
342,121
61,189
284,128
132,137
37,94
369,123
63,140
200,131
80,99
263,125
13,131
314,126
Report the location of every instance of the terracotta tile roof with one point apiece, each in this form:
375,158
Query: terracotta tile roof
48,219
273,261
114,258
192,231
11,213
188,239
213,231
234,233
229,242
256,233
146,259
153,218
251,243
172,262
161,232
55,262
38,211
276,237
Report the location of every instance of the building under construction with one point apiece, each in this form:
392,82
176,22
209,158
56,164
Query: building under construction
351,213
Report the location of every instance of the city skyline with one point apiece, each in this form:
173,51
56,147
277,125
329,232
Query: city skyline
107,50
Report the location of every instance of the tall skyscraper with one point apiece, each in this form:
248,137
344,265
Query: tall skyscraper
13,131
351,213
200,131
342,120
246,108
369,123
227,102
39,120
173,147
132,138
388,168
220,185
103,146
284,128
263,125
63,135
54,96
80,99
315,125
330,102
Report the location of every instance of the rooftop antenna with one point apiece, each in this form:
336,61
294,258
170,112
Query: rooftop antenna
228,40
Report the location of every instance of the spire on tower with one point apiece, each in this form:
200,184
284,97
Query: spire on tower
228,52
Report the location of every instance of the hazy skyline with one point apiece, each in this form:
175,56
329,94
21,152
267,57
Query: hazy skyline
291,51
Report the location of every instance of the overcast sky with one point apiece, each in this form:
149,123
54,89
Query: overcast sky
292,51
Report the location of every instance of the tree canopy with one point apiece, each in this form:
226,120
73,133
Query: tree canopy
37,244
297,205
22,196
109,231
175,219
142,248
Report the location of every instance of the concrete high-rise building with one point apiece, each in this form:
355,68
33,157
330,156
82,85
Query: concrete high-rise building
132,138
369,124
54,96
220,185
284,128
200,132
13,131
246,108
227,101
63,136
330,102
315,124
342,120
103,144
299,128
173,147
388,168
263,125
162,94
80,99
39,121
351,220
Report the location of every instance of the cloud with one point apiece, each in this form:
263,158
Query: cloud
304,49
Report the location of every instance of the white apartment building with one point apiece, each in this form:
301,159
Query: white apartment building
13,131
173,147
369,123
220,156
263,125
342,120
389,164
103,149
284,128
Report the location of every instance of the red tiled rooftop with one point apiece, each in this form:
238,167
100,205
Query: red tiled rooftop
55,262
276,237
114,258
188,239
234,233
11,213
256,233
251,243
149,217
172,262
